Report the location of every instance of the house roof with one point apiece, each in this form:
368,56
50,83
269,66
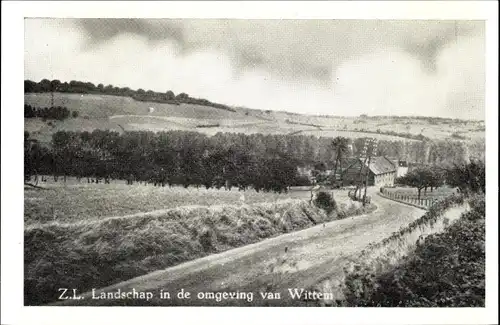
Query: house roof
378,165
381,165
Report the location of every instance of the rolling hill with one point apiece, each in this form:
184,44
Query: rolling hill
124,113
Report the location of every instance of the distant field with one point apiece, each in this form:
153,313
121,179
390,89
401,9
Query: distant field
103,106
115,113
75,201
353,134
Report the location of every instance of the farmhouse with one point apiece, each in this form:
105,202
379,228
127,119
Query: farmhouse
381,172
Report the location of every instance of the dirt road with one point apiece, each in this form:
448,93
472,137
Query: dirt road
295,260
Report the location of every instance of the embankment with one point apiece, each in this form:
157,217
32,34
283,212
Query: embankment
99,253
386,254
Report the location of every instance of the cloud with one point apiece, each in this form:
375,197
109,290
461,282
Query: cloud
291,47
320,66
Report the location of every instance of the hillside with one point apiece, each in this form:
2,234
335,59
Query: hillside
124,113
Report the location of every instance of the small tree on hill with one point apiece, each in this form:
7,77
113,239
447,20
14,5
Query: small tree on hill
182,96
169,95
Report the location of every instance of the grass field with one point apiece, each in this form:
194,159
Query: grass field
87,236
353,135
115,112
75,201
104,106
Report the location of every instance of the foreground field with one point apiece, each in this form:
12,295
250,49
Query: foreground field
83,248
295,260
78,201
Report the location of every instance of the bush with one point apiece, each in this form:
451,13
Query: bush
354,209
302,181
326,202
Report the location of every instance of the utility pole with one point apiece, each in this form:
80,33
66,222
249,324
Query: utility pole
373,150
51,84
359,182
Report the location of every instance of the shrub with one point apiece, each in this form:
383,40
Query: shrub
326,202
302,181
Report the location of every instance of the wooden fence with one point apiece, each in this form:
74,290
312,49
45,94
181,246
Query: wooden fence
411,199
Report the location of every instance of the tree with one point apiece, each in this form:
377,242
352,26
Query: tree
45,85
108,89
30,86
419,178
54,85
437,178
341,147
169,95
182,96
467,177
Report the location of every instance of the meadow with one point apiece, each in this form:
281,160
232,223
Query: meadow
74,200
117,113
107,233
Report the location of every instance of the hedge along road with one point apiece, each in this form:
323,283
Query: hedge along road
290,261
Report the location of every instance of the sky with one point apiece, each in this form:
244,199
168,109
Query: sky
331,67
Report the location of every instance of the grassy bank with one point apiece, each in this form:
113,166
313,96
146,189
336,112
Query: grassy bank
97,253
445,270
352,281
73,201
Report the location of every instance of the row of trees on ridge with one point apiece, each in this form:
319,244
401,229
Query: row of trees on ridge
80,87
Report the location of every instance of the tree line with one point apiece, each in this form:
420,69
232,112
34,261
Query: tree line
191,158
166,158
467,177
54,112
140,94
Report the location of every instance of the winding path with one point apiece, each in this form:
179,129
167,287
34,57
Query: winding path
294,260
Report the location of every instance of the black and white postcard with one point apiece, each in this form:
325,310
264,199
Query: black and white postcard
314,158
